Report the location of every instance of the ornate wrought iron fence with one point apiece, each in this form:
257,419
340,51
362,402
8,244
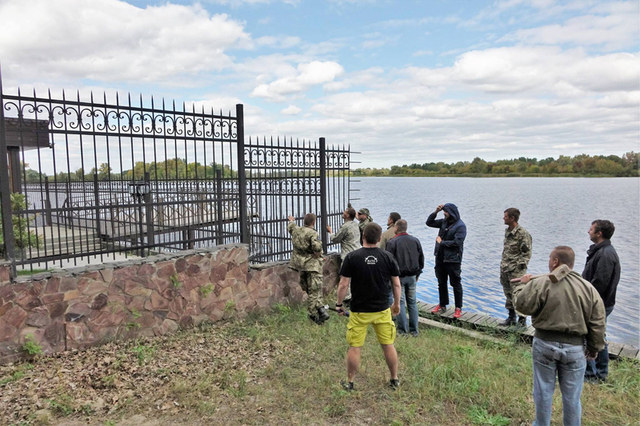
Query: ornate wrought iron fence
99,179
293,178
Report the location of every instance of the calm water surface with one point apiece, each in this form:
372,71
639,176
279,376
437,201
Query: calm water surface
556,211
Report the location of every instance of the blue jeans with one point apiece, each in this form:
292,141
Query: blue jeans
408,303
569,363
599,368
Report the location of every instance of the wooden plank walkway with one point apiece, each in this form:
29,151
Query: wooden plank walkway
483,322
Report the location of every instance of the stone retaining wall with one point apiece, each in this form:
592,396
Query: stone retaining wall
82,307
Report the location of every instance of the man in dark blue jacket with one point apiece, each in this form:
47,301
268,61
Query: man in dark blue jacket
602,270
448,252
408,253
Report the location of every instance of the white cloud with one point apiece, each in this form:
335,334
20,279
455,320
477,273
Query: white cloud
238,3
618,28
278,42
291,110
111,40
536,69
307,75
422,53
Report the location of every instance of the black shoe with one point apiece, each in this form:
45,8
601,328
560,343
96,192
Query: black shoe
322,315
348,386
315,319
522,321
394,384
507,322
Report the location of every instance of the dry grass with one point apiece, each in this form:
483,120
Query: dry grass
280,368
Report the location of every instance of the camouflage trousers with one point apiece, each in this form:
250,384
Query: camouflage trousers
311,283
505,280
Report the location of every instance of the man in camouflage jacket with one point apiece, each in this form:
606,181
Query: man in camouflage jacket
307,259
515,259
364,218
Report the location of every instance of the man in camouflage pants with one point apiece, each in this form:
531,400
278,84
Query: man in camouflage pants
364,218
307,259
515,259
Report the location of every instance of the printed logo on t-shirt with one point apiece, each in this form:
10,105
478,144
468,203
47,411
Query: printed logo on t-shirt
370,260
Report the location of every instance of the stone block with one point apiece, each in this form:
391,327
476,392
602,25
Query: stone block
99,302
77,312
167,327
15,317
57,309
136,304
146,270
125,273
7,331
5,307
107,275
156,302
52,298
186,321
91,288
77,335
226,294
6,292
195,259
216,315
54,334
177,305
39,317
68,284
71,295
134,288
165,270
180,265
28,299
218,274
193,270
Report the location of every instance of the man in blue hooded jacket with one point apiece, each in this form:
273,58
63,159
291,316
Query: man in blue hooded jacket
448,252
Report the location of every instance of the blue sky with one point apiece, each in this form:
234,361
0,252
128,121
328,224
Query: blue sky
400,81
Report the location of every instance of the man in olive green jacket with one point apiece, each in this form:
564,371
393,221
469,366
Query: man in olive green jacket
307,259
565,314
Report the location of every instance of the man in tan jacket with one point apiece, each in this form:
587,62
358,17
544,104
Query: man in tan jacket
565,314
391,230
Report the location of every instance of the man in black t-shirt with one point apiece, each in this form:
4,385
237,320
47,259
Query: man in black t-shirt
373,272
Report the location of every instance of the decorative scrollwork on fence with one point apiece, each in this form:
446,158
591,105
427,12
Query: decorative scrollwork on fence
104,119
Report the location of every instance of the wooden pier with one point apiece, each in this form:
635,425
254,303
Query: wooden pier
485,322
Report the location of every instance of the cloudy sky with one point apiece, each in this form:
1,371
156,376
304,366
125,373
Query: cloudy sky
406,81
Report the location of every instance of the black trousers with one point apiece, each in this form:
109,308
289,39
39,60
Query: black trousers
451,271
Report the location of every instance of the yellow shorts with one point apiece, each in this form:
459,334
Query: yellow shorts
382,324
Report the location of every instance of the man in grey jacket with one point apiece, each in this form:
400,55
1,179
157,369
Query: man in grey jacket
565,314
602,270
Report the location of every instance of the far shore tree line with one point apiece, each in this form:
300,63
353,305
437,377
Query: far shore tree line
579,165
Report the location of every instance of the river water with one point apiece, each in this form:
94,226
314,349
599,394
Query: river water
556,211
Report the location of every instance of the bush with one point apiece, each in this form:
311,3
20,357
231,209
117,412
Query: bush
24,238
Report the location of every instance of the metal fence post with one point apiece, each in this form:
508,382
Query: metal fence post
96,196
323,194
5,193
220,215
148,200
47,201
242,178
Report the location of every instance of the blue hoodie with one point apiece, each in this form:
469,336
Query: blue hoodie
452,233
